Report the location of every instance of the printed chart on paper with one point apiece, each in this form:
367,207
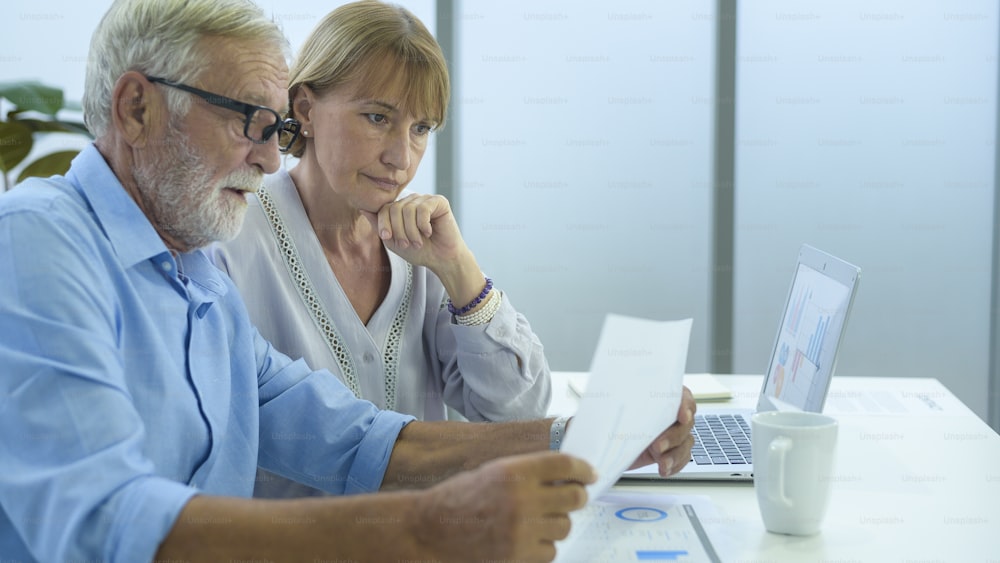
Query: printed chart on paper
640,527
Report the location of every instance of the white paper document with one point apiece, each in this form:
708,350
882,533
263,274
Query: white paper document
929,401
634,392
641,527
703,386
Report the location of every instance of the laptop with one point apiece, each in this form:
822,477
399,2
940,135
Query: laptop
802,363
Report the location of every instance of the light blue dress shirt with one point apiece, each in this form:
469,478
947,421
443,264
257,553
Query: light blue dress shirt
131,381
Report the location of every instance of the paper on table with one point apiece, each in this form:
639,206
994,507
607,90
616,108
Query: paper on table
646,526
703,386
634,392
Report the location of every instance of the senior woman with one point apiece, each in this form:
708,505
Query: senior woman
336,267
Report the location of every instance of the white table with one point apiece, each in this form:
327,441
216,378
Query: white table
917,479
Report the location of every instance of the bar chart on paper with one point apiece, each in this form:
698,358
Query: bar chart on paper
629,527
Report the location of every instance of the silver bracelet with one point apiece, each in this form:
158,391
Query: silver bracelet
557,432
485,313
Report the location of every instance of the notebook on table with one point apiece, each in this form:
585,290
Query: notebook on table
802,364
703,386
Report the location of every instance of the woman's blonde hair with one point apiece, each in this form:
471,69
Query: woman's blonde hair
376,46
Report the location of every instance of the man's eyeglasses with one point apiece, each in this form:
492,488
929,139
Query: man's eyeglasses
260,123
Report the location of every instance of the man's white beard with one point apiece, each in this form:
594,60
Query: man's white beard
180,203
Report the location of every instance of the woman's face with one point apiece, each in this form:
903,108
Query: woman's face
367,146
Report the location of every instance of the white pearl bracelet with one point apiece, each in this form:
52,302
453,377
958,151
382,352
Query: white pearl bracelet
484,314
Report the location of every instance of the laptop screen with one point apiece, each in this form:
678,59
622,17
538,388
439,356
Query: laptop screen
805,350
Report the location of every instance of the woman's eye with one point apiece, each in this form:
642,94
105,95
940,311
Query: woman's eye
422,129
376,118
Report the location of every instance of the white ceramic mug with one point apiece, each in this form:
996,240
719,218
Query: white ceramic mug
792,459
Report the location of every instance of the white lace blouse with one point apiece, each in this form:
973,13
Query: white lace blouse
411,357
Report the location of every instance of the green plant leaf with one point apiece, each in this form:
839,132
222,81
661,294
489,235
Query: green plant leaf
15,144
31,95
48,165
76,127
55,126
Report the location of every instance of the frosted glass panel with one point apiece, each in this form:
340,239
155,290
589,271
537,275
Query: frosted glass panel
583,149
868,130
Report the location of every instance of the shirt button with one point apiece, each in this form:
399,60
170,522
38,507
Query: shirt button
369,358
166,266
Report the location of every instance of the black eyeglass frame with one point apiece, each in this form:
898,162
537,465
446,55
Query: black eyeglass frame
248,110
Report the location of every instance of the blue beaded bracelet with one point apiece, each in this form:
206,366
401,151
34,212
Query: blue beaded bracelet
476,301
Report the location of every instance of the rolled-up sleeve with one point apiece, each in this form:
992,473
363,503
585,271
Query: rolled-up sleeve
315,431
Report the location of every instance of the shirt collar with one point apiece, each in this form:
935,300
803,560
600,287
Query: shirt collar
127,228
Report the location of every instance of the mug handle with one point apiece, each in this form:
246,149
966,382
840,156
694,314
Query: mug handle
776,452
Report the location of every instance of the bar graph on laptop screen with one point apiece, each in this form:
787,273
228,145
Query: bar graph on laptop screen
807,342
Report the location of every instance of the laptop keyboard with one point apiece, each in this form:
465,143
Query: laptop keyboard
721,439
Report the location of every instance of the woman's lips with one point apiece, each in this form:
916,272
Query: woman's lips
384,183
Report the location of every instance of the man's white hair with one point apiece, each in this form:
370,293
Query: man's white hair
162,38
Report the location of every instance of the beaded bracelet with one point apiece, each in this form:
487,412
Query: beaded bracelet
476,301
484,314
557,432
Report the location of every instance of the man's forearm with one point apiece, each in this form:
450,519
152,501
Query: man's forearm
351,528
429,452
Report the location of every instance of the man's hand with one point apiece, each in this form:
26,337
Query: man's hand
511,509
671,450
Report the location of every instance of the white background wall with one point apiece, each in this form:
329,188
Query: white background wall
869,129
584,143
865,128
584,162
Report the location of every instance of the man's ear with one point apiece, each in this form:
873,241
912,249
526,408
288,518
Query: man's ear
137,108
302,103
